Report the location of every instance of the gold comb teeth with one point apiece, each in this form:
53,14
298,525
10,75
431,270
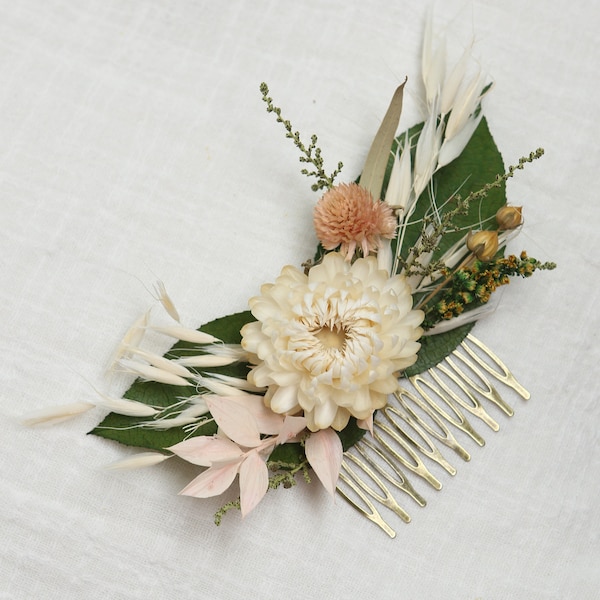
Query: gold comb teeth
416,424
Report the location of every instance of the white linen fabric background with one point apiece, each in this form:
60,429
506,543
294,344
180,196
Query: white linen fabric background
134,146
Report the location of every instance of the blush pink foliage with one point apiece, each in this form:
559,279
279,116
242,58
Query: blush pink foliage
238,448
324,453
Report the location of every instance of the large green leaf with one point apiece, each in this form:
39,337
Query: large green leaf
126,430
434,348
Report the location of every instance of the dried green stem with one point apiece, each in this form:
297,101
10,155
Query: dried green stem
311,154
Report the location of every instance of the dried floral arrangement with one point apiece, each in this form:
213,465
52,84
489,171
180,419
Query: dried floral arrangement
354,365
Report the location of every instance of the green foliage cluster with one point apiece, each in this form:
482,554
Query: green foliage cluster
473,286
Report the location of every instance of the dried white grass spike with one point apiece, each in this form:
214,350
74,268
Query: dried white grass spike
138,461
231,350
123,406
206,360
150,373
186,334
132,337
170,423
218,388
165,300
55,414
236,382
198,409
163,363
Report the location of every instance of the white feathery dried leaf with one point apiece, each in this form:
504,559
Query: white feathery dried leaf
138,461
55,414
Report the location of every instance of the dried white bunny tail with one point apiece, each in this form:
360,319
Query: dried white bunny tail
138,461
55,414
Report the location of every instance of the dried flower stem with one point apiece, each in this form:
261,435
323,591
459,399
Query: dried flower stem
311,154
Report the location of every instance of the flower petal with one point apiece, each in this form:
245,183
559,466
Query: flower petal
292,426
324,453
235,420
267,421
254,481
206,450
212,482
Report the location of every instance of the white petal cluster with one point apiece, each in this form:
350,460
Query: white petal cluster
331,343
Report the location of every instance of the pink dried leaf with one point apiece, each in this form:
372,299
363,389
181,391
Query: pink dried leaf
366,423
324,453
235,420
207,450
292,426
212,482
268,422
254,481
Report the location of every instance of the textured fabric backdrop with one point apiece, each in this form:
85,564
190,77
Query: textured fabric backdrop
134,146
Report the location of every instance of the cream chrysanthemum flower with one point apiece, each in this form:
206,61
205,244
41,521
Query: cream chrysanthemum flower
331,343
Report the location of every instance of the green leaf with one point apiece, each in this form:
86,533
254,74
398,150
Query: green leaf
126,430
434,348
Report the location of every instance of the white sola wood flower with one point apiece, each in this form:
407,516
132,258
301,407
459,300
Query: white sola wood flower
331,343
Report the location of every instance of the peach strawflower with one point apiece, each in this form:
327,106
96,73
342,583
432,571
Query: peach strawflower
347,216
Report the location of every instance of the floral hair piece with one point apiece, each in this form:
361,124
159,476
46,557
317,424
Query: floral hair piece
359,365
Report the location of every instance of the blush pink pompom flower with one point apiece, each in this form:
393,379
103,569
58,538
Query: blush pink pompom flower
348,216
